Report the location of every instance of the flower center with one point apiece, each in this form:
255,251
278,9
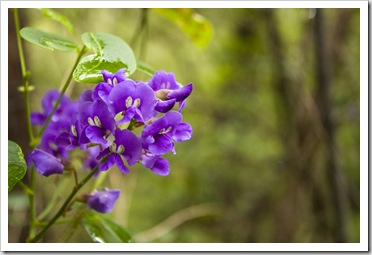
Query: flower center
95,122
115,149
164,131
130,103
73,130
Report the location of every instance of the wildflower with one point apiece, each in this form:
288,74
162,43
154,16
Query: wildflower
45,163
103,89
126,147
103,201
97,122
168,92
156,164
132,100
158,137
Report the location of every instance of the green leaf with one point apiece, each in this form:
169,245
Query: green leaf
16,164
103,230
111,54
47,40
197,27
49,13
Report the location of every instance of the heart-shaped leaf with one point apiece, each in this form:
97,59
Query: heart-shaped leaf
17,167
111,54
103,230
47,40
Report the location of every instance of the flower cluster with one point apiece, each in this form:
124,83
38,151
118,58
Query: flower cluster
105,121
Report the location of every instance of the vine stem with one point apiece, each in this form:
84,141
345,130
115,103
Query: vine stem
25,74
65,86
25,81
66,203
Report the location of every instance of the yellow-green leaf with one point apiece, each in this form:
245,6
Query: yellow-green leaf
196,26
47,40
111,54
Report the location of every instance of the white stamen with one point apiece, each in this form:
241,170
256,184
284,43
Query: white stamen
109,81
120,149
114,81
137,102
164,131
73,130
91,122
128,102
113,147
97,122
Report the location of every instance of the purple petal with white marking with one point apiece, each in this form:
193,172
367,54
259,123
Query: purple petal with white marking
132,145
163,80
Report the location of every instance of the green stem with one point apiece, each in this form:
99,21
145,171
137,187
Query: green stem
25,75
25,80
52,203
65,204
65,86
25,188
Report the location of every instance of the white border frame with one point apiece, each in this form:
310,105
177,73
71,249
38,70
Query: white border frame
364,176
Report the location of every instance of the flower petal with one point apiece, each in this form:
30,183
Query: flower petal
103,201
162,145
183,132
95,134
161,167
45,163
115,78
107,164
102,91
163,80
169,120
132,145
119,159
165,105
37,118
181,94
86,96
119,95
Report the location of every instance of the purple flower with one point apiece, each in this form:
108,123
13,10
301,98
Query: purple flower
103,201
70,140
157,137
156,164
115,78
91,161
103,89
168,91
126,147
65,108
45,163
133,100
97,122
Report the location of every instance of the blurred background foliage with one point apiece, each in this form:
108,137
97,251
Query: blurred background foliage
274,155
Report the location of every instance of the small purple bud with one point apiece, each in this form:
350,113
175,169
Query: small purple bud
45,163
103,201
